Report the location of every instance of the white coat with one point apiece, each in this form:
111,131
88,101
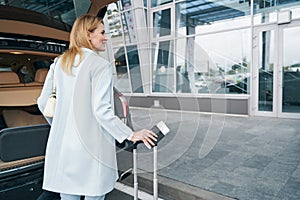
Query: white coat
80,154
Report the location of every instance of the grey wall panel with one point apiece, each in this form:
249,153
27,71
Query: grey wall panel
215,105
204,104
219,106
238,106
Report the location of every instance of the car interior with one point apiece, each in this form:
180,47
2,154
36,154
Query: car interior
18,108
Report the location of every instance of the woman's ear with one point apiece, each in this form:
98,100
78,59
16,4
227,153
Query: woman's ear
88,34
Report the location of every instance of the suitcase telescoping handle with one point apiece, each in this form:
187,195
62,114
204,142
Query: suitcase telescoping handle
160,129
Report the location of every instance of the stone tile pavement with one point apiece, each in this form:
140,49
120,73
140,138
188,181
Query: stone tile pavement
247,158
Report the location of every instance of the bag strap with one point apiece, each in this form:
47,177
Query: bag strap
54,79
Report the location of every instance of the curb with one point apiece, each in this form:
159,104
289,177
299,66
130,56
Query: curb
170,189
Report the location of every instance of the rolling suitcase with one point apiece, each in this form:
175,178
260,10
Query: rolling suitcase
161,130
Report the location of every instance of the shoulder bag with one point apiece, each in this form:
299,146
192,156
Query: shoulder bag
51,102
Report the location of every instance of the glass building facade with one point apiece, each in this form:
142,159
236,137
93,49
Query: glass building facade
224,49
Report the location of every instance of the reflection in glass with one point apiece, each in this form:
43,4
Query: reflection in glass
163,67
121,68
159,2
129,27
266,67
128,58
270,6
182,79
199,12
221,62
266,11
183,20
291,70
125,4
162,23
134,67
114,22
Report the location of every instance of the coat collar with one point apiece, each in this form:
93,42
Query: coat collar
87,50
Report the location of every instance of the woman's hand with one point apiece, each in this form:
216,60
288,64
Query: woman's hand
146,136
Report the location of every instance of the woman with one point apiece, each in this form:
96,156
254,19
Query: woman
80,154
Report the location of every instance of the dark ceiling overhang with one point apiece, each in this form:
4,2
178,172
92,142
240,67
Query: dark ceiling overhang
29,16
26,22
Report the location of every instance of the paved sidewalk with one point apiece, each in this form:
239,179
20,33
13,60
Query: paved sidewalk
241,157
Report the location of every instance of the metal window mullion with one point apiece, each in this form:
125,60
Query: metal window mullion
175,65
277,71
251,84
128,71
150,31
124,42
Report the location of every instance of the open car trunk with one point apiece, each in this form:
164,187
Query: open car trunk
22,152
23,142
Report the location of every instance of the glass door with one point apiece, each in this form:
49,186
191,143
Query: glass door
264,71
289,70
276,70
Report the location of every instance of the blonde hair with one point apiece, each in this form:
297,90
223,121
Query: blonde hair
79,38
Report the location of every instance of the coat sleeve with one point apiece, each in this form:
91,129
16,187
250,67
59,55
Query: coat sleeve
102,98
46,91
